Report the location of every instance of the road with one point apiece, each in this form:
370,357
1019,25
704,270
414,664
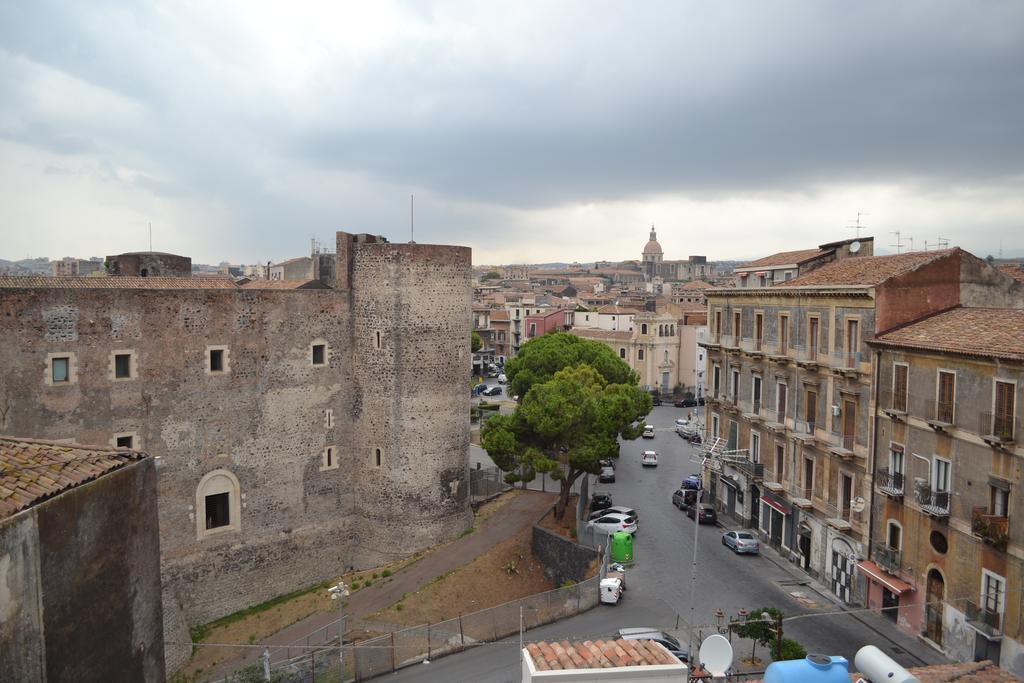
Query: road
659,583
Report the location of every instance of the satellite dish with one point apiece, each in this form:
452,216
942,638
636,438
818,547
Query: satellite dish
857,504
715,655
854,246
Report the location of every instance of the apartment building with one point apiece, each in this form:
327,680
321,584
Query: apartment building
790,395
946,560
788,265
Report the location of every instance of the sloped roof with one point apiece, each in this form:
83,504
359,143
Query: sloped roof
698,284
115,282
992,332
612,309
865,271
1014,270
784,258
32,471
500,315
600,654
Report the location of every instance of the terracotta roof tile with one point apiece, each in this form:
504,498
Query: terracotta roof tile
599,654
115,282
992,332
865,270
616,310
1014,270
784,258
32,471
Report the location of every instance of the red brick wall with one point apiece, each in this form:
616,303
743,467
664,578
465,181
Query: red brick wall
931,288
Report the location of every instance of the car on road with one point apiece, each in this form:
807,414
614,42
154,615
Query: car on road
645,633
686,403
620,509
684,499
649,459
741,542
612,522
705,512
502,379
681,424
607,462
492,391
648,431
600,501
691,482
607,475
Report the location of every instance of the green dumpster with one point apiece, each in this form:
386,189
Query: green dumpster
622,547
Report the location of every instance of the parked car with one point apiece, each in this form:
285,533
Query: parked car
684,499
644,633
686,403
502,379
620,509
706,512
681,424
607,462
600,501
691,482
741,542
612,522
649,459
607,475
492,391
648,431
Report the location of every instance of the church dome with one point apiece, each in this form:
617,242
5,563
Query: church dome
652,246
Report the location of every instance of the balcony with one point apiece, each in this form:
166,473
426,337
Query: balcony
804,430
932,502
894,404
773,482
890,483
997,429
939,414
887,558
848,362
986,621
806,357
729,343
992,529
753,347
801,496
841,444
754,470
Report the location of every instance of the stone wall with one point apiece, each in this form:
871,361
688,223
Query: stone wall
263,422
563,559
81,580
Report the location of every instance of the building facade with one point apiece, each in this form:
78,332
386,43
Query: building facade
300,431
947,561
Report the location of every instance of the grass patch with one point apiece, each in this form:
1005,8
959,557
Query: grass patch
198,633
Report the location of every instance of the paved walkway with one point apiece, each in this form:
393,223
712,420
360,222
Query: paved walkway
514,516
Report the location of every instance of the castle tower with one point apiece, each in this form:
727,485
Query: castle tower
410,329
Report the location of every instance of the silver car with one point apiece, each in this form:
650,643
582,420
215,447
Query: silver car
741,542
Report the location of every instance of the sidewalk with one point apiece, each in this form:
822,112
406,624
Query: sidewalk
519,513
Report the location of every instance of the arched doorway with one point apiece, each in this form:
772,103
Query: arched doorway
933,608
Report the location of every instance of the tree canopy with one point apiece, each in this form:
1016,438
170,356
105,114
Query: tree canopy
475,342
578,397
490,275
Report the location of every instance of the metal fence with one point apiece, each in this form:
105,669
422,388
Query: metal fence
404,647
486,482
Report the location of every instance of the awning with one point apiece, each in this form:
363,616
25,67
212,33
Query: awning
729,481
762,273
888,580
744,274
774,506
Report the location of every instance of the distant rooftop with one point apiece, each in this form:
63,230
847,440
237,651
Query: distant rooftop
784,258
991,332
32,471
865,271
1014,270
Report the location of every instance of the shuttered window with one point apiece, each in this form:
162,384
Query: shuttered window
944,406
899,387
1003,419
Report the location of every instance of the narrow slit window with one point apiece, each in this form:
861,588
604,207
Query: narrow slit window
377,454
378,340
329,457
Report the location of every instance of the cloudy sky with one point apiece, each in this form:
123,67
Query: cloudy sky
530,131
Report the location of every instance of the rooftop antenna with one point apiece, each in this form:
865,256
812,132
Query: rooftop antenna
412,219
151,237
939,243
899,244
857,226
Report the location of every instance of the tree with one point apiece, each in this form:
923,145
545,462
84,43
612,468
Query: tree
475,342
578,397
758,630
490,275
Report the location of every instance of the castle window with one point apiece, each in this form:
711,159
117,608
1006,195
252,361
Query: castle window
319,354
643,328
124,440
639,354
622,353
378,340
61,369
328,418
218,504
377,455
122,365
218,360
329,459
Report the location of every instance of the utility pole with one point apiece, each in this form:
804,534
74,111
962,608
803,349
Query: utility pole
339,593
693,575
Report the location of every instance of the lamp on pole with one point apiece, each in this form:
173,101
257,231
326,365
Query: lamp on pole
693,575
339,593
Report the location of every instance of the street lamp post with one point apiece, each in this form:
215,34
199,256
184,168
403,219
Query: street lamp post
693,575
339,593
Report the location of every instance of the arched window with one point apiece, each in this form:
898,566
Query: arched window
639,354
218,504
643,328
671,330
622,354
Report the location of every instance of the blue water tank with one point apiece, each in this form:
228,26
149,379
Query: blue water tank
813,669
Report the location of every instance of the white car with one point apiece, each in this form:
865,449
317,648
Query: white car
649,459
681,425
502,379
616,509
612,522
648,431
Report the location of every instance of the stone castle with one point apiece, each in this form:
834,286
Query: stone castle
298,431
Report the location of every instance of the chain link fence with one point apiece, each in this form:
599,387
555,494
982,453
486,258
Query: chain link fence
404,647
486,482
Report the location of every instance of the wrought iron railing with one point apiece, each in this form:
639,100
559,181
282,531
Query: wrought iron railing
890,482
999,425
887,558
940,411
984,619
931,501
993,529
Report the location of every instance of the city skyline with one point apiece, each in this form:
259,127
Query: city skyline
531,134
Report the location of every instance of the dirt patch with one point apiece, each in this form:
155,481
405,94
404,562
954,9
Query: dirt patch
507,572
490,507
565,526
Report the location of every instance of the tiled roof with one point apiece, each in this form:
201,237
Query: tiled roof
32,471
784,258
600,654
865,270
617,310
697,284
993,332
499,316
605,335
963,672
115,282
1014,270
285,284
297,259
